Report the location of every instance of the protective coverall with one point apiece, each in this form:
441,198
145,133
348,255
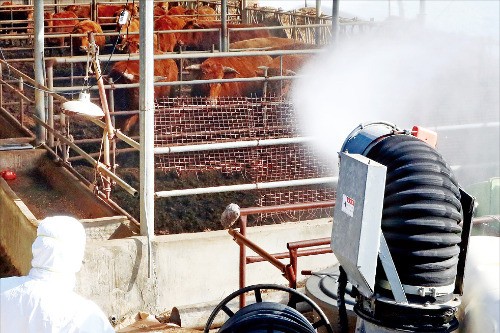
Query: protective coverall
44,301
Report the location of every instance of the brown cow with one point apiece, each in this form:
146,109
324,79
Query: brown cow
261,43
129,35
81,43
205,40
107,14
168,41
165,70
62,23
206,13
163,5
82,11
298,46
285,65
202,13
177,11
158,11
226,68
291,62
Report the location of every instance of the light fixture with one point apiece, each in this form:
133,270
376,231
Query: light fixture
83,106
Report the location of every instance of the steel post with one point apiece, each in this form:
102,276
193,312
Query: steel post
111,94
146,116
50,111
243,11
39,74
317,34
243,255
224,33
21,100
335,21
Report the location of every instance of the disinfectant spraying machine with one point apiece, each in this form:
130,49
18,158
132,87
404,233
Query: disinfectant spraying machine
400,232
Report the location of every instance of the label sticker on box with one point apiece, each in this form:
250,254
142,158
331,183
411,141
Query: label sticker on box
348,205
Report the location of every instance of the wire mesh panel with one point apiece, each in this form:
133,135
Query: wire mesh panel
189,120
293,196
193,121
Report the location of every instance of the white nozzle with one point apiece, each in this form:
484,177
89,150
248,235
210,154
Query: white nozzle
230,215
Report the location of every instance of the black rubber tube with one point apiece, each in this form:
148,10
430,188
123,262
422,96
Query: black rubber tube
342,284
422,211
267,317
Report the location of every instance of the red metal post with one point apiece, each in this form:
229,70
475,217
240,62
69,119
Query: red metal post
243,258
293,264
289,271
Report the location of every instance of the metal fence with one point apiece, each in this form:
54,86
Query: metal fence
258,137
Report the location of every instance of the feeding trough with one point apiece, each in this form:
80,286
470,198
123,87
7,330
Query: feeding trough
44,188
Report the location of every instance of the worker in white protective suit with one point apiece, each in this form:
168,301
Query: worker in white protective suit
44,301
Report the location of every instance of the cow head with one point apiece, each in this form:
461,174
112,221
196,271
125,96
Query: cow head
80,44
211,71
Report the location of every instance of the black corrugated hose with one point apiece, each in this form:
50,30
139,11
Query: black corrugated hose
342,284
421,212
267,317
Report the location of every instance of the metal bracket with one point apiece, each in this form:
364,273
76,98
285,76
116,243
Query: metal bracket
421,290
390,271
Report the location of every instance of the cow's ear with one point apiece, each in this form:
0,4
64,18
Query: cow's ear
289,72
229,70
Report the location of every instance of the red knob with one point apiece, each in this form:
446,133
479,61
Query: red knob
8,175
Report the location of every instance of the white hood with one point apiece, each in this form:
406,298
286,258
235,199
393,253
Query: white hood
44,301
59,246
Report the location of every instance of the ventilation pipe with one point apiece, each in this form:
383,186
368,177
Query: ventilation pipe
401,228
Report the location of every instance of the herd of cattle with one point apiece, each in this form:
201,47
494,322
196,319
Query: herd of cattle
75,20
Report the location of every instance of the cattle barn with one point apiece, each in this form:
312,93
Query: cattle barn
193,113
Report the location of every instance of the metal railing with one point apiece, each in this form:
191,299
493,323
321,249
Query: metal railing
295,249
56,86
15,74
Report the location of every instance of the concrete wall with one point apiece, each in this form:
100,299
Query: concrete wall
17,228
189,269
